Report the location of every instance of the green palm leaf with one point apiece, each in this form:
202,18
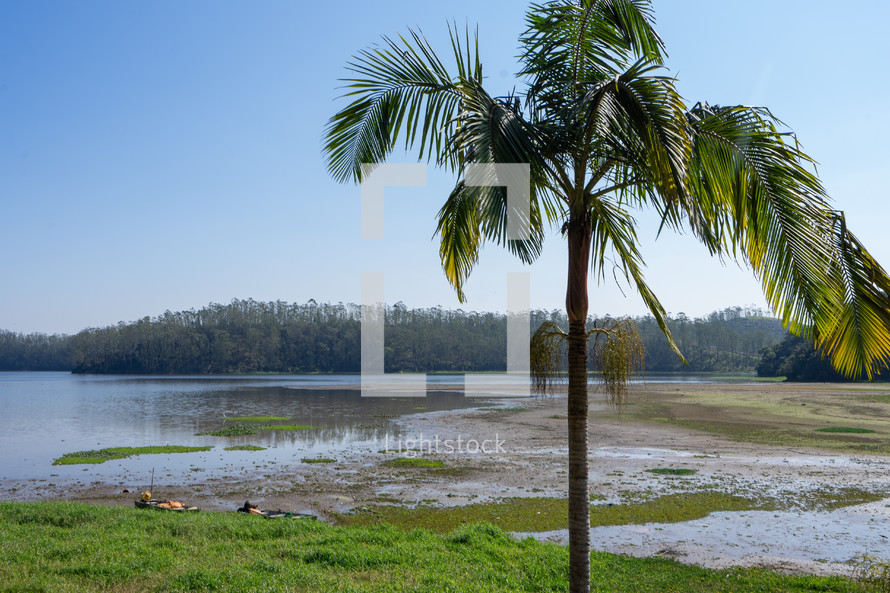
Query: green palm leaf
754,193
460,236
402,87
634,121
614,227
859,342
566,42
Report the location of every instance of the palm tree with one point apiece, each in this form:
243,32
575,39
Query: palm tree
604,133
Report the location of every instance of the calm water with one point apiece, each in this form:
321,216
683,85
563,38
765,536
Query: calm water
45,415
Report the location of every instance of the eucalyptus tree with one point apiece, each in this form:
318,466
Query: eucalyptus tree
605,133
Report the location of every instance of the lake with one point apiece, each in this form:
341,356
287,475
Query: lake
45,415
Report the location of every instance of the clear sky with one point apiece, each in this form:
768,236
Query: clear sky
166,155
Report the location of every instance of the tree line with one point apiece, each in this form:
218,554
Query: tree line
34,352
796,359
248,336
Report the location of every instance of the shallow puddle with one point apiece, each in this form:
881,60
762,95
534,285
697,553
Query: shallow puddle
817,542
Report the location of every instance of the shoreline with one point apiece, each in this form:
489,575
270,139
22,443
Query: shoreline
531,463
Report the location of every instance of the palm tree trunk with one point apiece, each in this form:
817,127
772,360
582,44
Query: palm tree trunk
579,501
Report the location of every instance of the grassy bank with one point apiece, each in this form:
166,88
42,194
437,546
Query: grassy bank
65,547
841,418
546,514
103,455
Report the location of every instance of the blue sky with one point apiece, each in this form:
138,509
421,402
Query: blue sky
166,155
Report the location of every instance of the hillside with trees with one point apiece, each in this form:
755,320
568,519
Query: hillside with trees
34,352
796,360
248,336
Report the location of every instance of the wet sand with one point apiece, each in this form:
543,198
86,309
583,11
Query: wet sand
525,454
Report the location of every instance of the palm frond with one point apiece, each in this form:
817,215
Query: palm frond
860,341
568,41
491,131
755,194
460,236
473,215
614,228
637,120
399,88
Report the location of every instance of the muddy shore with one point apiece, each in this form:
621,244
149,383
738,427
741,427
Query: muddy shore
517,448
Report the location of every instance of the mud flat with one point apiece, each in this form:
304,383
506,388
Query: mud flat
760,443
809,542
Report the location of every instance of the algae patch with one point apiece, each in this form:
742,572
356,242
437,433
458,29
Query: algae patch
671,471
237,430
103,455
258,419
546,514
414,462
787,415
241,430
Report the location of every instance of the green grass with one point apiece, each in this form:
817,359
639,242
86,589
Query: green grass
546,514
258,419
497,409
671,471
103,455
398,451
318,460
788,415
66,547
848,429
245,448
413,462
236,430
240,430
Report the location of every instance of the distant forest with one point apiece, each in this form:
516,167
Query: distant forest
247,336
797,359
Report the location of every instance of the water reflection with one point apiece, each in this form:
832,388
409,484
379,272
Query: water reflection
49,414
45,415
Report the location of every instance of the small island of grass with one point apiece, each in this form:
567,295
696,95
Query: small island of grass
414,462
245,448
258,419
103,455
236,430
671,471
246,430
288,427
